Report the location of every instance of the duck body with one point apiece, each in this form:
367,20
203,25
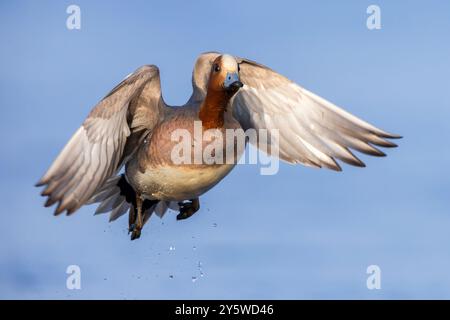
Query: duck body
154,174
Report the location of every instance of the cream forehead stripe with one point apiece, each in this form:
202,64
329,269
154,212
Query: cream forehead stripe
229,62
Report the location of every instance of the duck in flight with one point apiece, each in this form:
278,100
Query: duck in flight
132,127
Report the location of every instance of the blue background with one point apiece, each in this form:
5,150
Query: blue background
302,233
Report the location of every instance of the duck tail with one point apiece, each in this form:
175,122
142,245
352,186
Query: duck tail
112,198
118,196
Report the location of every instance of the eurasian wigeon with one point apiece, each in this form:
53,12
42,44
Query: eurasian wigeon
133,127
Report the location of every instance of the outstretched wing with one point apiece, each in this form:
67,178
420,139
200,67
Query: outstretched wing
104,142
312,130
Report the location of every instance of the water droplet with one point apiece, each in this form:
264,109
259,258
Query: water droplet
214,225
194,248
199,268
194,279
171,276
171,248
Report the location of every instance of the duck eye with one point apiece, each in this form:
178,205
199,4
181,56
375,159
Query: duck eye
216,68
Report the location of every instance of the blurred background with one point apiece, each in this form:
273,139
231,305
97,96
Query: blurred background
303,233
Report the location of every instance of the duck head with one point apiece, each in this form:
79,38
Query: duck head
224,75
223,84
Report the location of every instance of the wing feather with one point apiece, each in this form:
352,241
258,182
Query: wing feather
101,145
312,130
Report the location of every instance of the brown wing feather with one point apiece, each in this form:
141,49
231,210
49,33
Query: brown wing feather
312,130
107,138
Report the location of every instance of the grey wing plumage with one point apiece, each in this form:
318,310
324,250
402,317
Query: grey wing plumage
312,130
107,138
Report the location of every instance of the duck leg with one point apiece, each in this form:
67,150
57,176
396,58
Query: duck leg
188,208
132,218
136,227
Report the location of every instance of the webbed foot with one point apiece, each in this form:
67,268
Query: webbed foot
187,209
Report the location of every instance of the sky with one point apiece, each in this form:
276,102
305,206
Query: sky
300,234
